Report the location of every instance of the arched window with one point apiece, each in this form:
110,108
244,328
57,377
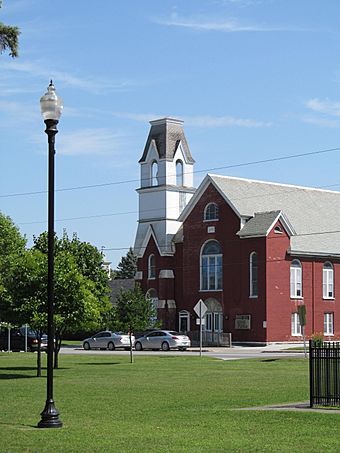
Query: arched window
211,212
154,173
211,266
152,293
295,279
213,317
184,321
179,173
328,281
253,275
152,267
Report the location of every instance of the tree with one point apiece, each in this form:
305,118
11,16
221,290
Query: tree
12,246
27,290
81,286
127,266
9,38
134,312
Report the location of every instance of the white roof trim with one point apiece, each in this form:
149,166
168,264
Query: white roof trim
286,225
150,233
197,195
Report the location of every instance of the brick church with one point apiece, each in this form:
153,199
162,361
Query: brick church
252,251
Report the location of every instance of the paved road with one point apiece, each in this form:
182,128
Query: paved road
234,353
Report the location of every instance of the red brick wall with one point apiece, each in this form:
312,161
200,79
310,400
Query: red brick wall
273,304
279,304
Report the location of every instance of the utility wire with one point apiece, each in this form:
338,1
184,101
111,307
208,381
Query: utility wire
112,214
128,181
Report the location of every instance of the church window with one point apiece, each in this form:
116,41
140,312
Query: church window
154,173
211,212
179,173
295,279
253,275
211,266
151,267
328,281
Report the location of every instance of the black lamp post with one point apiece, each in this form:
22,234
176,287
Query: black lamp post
51,107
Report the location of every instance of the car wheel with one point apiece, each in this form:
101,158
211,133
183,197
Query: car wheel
86,346
111,346
165,346
138,346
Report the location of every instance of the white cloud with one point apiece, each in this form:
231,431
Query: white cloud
224,121
323,122
326,107
230,25
91,84
96,141
198,121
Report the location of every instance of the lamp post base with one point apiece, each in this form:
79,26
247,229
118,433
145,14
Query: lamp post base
50,416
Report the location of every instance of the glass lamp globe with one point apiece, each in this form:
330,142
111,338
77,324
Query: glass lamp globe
51,105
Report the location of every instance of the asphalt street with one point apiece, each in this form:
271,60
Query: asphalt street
233,353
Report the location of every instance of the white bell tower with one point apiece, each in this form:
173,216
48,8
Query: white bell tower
166,184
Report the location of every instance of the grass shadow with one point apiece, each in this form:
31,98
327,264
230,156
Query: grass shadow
99,363
15,376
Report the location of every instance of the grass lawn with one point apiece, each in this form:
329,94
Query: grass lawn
161,403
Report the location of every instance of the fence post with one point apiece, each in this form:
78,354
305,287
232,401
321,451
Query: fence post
311,373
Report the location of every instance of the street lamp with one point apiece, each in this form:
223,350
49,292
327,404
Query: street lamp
51,107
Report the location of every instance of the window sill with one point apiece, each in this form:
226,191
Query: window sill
328,334
328,298
296,297
210,220
210,290
296,334
151,278
253,297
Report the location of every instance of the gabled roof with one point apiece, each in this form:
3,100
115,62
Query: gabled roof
260,224
167,134
314,214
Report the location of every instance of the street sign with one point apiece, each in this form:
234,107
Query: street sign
200,308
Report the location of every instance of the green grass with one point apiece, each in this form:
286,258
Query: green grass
71,343
161,403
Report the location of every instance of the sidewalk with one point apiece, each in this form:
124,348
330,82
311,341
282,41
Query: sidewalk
274,347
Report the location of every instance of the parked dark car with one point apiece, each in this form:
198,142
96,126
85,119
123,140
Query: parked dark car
17,340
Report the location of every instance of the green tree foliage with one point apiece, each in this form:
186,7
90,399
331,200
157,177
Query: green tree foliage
27,287
9,38
81,286
12,246
134,312
127,266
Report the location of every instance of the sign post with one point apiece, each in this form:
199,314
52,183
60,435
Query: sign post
200,309
302,317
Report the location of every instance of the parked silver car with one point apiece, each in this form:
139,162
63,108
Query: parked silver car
108,340
163,339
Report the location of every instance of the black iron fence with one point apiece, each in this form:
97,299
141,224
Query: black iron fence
324,369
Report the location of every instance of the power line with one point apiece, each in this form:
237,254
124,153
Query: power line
112,214
314,233
225,167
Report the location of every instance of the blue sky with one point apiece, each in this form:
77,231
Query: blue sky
252,80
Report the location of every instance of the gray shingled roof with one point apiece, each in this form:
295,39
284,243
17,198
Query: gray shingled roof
313,213
167,134
118,285
260,224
